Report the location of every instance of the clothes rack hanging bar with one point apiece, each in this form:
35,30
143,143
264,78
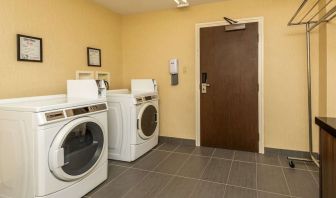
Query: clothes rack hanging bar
311,9
311,24
297,12
311,20
324,7
323,18
331,18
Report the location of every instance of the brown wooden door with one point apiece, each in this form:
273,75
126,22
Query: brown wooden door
229,109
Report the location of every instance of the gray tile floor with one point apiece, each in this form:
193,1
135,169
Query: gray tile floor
185,171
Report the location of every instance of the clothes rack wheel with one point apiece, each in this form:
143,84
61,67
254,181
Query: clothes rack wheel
291,164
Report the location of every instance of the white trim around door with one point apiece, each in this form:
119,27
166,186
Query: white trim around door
260,21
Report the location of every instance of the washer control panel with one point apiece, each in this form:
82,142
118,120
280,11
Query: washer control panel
142,99
84,110
67,113
54,115
139,100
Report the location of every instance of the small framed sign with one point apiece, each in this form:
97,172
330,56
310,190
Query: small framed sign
94,57
29,48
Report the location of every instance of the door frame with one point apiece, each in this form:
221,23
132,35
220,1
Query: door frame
198,26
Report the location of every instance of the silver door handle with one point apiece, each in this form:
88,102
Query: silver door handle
204,87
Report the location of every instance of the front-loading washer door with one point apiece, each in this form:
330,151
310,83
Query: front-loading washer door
76,149
147,120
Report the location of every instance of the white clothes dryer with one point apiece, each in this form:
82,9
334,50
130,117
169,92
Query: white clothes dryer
52,146
133,123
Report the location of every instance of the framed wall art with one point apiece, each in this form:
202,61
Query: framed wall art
94,57
29,48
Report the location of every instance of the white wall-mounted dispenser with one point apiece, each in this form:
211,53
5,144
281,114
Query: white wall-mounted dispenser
182,3
173,70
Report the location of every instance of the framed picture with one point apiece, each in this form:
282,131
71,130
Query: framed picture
94,57
29,48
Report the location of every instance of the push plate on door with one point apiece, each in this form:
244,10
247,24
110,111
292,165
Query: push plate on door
204,87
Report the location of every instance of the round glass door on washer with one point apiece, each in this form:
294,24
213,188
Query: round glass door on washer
76,149
147,120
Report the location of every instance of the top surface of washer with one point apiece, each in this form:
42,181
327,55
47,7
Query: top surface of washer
127,93
45,103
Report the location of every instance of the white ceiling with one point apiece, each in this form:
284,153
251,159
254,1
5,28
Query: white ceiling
137,6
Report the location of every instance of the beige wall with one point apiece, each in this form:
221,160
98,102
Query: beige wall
327,67
323,70
67,28
331,68
151,39
139,46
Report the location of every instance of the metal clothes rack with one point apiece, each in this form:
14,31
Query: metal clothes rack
311,19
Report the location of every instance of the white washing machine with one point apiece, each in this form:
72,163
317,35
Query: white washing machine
133,123
52,147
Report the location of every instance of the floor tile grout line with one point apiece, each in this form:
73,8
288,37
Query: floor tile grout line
183,164
148,174
308,168
284,167
170,153
316,182
105,185
176,148
211,157
158,146
213,152
259,190
306,165
209,181
278,157
274,193
145,157
203,171
280,164
206,166
173,176
193,190
228,160
133,187
283,173
236,161
127,168
191,154
164,187
161,162
120,165
192,178
227,180
175,151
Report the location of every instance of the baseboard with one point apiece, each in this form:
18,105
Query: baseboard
289,153
173,140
